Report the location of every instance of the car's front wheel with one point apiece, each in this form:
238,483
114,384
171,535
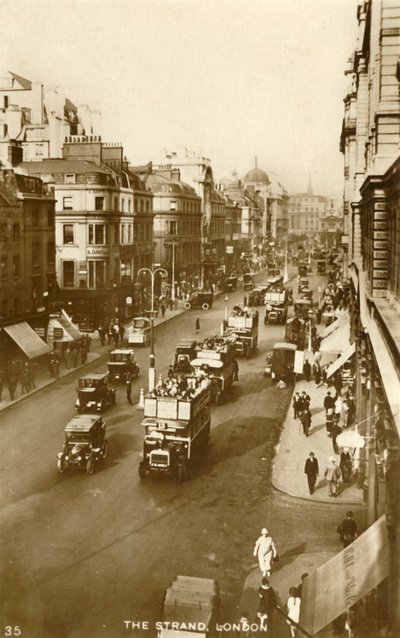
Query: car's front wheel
205,306
188,305
90,465
61,465
104,450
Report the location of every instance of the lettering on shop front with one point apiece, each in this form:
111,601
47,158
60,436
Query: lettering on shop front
97,252
349,576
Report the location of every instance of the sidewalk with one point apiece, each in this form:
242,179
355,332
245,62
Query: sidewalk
43,378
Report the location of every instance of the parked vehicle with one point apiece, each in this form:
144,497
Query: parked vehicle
192,606
243,326
122,361
230,283
176,430
139,331
185,352
281,364
85,443
216,357
248,281
94,392
199,299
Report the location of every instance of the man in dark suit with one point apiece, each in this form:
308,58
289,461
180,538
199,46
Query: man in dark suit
311,469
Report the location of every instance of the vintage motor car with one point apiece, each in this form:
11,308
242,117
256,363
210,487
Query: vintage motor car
256,296
185,352
230,283
139,331
122,362
248,281
199,299
85,443
94,392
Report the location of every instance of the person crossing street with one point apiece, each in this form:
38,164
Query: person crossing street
265,551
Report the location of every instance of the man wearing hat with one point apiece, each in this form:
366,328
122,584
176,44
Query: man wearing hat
265,551
347,529
332,475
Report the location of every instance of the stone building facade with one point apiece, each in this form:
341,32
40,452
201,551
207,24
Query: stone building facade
370,145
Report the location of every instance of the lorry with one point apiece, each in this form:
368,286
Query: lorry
281,362
177,429
276,305
243,327
216,359
190,609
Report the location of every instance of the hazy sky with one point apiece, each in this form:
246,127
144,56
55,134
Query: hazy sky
229,78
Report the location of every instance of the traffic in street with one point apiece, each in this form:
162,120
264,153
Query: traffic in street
112,542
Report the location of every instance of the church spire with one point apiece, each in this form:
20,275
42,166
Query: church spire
309,189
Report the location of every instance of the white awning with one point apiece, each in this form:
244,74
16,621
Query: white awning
341,360
26,339
338,340
341,319
333,588
56,331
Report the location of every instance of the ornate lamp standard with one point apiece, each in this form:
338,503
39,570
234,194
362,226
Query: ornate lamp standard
152,360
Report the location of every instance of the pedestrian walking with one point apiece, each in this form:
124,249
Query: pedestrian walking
296,404
329,421
83,352
311,470
31,376
337,383
347,529
24,380
116,333
266,605
12,386
335,431
293,610
305,418
163,308
265,551
307,370
128,383
110,333
197,325
317,374
345,465
121,332
305,400
329,402
332,474
102,335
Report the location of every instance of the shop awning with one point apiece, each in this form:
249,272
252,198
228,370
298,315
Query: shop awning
338,340
70,328
341,360
334,587
26,339
340,320
56,332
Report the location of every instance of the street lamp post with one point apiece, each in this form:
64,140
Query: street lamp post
285,273
226,308
152,360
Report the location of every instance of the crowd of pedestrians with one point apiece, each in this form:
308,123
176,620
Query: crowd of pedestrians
16,374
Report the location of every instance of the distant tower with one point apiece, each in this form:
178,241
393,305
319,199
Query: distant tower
309,189
256,161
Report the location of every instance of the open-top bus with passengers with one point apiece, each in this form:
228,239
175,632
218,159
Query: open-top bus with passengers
243,326
177,429
216,357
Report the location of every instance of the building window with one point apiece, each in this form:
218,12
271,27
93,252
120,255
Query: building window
16,231
99,203
36,254
69,178
68,233
129,205
115,203
122,205
97,274
68,274
172,205
97,234
16,266
67,203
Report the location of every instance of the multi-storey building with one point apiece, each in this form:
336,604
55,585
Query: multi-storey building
250,214
27,264
197,172
370,144
104,224
234,244
315,217
177,228
40,118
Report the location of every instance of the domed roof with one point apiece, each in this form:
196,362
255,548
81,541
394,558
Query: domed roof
256,175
